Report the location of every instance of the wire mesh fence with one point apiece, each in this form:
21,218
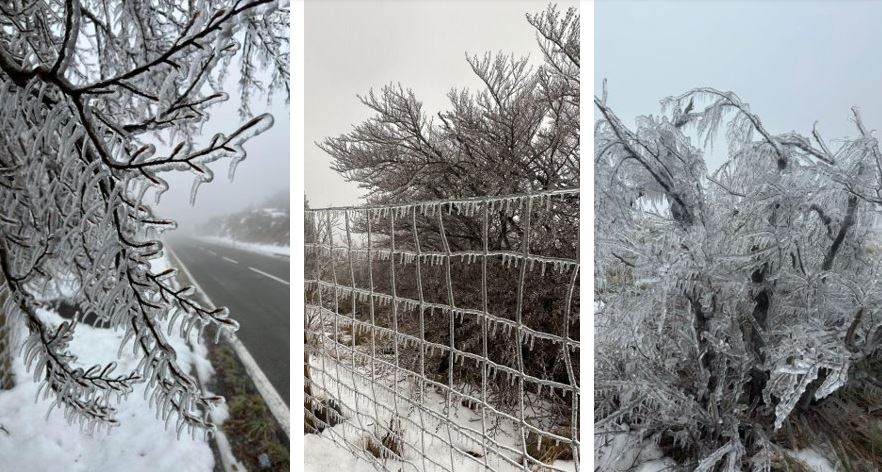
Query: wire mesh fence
444,335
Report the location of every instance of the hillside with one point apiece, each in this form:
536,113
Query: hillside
266,223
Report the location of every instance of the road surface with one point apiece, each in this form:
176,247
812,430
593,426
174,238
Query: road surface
256,289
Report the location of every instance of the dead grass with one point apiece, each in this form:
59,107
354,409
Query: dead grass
324,414
847,424
353,333
390,445
544,450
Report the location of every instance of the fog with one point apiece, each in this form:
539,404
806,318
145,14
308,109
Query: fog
264,172
352,46
794,62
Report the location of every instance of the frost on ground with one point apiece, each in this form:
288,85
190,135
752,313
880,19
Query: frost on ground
427,442
31,441
268,249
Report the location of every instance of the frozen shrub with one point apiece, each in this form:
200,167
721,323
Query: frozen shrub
728,299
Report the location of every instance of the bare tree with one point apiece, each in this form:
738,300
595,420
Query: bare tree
731,301
86,88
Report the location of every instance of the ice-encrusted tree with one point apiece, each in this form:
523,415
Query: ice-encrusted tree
728,300
86,89
518,133
515,134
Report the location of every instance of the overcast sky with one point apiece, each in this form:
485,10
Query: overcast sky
793,62
264,172
352,46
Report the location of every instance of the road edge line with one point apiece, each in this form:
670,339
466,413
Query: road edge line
270,276
274,402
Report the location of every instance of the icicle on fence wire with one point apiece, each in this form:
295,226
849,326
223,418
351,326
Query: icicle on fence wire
444,335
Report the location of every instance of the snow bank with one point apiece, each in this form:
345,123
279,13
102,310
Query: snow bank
268,249
31,441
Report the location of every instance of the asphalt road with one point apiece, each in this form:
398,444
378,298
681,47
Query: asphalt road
256,289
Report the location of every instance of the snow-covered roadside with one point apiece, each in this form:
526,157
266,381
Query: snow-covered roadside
33,442
268,249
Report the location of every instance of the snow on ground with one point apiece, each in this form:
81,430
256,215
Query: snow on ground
270,249
322,454
627,451
429,428
33,442
813,459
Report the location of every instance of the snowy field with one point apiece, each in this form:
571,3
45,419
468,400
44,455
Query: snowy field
31,441
268,249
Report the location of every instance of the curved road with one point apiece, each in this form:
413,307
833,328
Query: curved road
256,289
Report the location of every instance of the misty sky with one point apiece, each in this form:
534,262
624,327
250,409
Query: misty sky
264,172
352,46
793,62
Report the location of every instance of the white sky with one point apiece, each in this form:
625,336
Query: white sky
265,171
793,62
352,46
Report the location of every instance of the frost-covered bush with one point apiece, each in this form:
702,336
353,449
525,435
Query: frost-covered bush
516,134
86,87
729,299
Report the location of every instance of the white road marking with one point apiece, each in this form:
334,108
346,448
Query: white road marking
276,405
270,276
230,260
212,252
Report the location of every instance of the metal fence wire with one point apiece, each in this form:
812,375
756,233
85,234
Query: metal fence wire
444,335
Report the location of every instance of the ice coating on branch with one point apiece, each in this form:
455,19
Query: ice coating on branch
726,289
77,158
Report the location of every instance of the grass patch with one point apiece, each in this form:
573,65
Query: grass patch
251,428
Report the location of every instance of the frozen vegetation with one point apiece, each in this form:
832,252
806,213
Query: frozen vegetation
737,316
265,227
84,99
443,316
31,439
